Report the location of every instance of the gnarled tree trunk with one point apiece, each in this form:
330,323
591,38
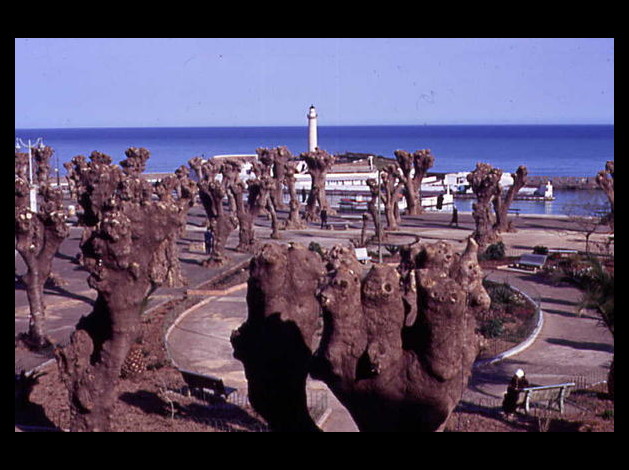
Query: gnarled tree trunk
212,193
605,181
484,181
390,194
277,159
397,345
503,203
275,344
372,208
120,256
38,236
175,189
294,221
319,163
414,167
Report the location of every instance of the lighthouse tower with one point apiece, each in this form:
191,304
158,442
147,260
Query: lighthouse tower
312,129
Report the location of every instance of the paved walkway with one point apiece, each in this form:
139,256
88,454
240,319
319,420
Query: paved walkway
568,345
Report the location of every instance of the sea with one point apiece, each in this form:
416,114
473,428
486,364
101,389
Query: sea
546,150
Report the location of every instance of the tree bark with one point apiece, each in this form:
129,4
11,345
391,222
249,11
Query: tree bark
397,345
294,221
319,163
503,203
211,194
38,235
414,167
120,255
389,194
372,208
275,343
484,181
179,190
605,181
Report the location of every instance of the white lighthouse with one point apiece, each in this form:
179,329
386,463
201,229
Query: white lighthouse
312,129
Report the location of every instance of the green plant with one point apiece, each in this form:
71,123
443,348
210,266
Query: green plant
314,246
393,249
492,328
540,250
598,292
500,294
494,251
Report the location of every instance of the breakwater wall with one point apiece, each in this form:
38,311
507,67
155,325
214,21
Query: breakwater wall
564,182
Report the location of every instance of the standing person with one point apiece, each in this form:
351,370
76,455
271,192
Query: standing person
324,217
518,382
303,194
439,202
209,241
455,217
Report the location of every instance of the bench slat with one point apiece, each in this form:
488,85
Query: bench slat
552,394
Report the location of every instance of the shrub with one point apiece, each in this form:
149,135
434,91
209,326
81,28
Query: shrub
540,250
492,328
393,249
494,251
314,246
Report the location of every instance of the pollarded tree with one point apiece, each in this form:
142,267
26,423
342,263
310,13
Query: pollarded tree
390,193
276,342
319,163
502,202
258,199
397,345
484,181
294,221
276,159
38,235
175,189
372,207
120,256
212,192
605,180
413,167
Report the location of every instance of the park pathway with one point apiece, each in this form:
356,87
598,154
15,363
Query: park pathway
569,347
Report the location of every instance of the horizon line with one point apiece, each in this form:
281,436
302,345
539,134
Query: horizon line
319,126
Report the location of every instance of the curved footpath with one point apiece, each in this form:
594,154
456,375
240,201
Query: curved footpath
566,347
569,347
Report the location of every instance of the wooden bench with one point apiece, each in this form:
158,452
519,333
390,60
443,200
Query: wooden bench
362,255
531,262
549,395
515,210
336,226
200,382
560,252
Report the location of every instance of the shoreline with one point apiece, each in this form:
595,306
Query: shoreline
559,182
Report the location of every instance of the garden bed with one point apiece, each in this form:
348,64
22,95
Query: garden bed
510,319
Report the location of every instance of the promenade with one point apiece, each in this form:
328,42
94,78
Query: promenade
568,345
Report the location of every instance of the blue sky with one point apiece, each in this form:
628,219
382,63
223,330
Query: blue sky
138,82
